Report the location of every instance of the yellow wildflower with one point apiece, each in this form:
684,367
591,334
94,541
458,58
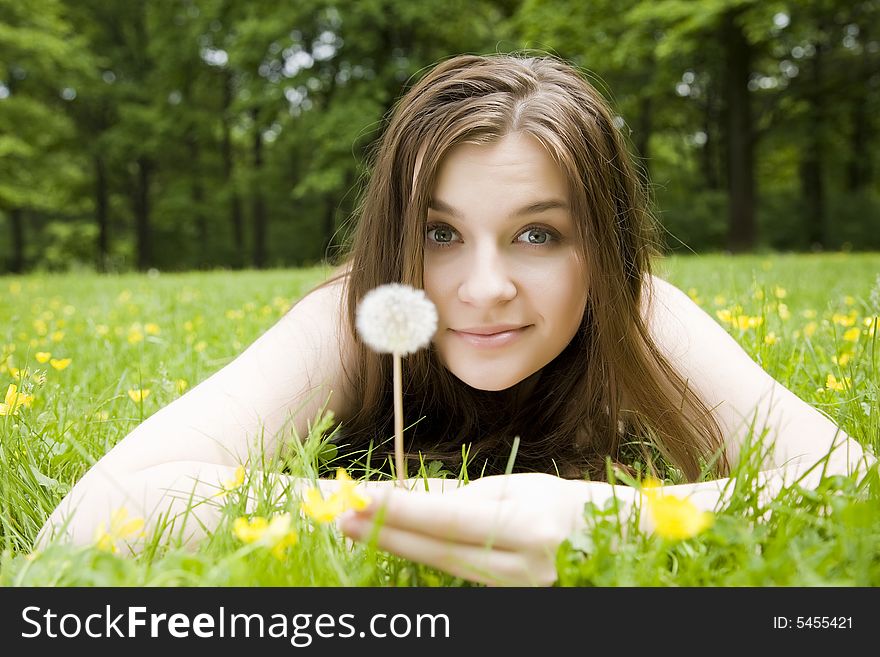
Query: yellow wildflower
347,491
60,363
833,384
315,506
810,328
102,329
345,497
843,320
746,322
152,329
135,336
14,400
771,338
809,313
281,545
852,335
121,528
842,360
57,336
200,346
181,385
719,300
724,315
139,395
779,292
18,373
848,300
250,531
43,356
275,534
279,536
40,327
231,484
783,311
759,294
188,326
674,518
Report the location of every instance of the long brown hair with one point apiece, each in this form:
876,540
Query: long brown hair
573,418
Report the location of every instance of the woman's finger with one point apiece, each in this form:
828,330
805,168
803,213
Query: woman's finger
494,567
455,518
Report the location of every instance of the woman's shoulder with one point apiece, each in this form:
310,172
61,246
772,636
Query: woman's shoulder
667,311
320,320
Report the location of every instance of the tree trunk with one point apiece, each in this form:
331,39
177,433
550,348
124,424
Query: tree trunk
812,180
742,231
259,211
858,168
197,194
101,215
235,214
141,202
16,224
708,153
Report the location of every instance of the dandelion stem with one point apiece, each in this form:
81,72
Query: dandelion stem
398,419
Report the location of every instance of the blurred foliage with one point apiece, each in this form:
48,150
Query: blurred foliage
181,134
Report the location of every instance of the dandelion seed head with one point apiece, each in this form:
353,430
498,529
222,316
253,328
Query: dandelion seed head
396,318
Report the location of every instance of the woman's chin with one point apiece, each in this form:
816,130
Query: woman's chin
493,383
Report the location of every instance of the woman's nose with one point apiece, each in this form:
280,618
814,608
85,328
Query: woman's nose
486,281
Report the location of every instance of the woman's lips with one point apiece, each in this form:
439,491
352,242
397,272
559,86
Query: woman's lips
491,341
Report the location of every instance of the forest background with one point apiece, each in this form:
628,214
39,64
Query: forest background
204,134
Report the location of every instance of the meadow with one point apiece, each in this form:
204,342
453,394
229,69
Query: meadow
92,356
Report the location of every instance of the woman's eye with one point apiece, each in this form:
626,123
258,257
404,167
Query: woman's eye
536,236
442,234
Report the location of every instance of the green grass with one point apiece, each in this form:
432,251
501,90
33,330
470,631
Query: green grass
817,537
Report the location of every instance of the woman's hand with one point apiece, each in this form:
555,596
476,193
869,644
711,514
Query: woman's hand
500,530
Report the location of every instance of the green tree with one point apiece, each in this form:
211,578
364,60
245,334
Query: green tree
41,61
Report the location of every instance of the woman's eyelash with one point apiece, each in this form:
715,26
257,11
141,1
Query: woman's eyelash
551,234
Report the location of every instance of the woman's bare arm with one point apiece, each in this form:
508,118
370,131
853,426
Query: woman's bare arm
743,396
184,499
284,377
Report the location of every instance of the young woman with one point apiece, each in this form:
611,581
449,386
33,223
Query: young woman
501,187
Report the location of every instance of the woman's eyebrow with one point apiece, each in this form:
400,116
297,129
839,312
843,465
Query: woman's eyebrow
532,208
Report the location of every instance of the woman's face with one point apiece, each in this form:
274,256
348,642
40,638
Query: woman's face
501,251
